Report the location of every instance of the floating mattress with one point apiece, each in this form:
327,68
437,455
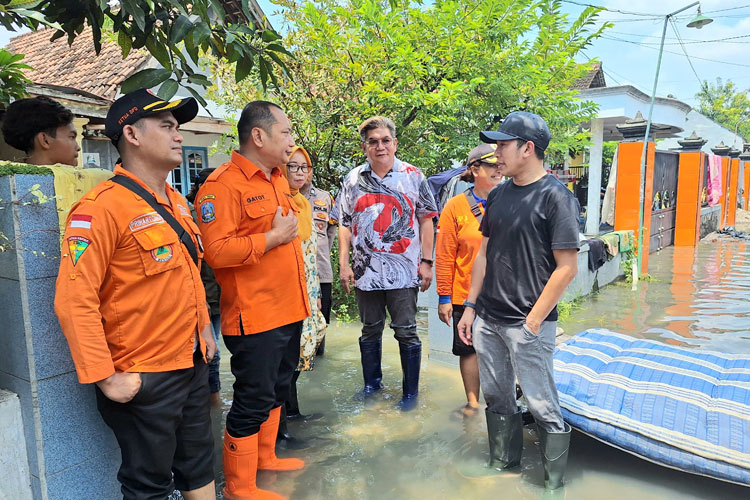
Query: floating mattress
682,408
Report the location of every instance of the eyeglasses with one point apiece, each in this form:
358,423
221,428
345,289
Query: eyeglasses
294,167
373,143
481,163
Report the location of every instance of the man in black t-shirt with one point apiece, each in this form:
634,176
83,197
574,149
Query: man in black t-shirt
528,256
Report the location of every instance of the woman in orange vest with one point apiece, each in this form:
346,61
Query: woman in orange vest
458,241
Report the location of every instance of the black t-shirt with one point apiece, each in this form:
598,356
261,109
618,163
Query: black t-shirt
524,225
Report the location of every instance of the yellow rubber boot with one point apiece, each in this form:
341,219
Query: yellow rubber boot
267,459
240,469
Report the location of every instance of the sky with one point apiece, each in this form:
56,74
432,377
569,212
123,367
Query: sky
628,51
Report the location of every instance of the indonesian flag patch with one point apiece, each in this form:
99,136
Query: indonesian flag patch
82,221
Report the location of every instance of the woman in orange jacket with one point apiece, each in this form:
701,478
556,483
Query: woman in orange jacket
458,241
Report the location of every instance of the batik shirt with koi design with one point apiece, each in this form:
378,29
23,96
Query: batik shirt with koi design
383,216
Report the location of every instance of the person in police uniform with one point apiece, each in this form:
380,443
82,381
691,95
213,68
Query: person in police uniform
132,306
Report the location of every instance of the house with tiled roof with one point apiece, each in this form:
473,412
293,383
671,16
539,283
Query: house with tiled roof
87,83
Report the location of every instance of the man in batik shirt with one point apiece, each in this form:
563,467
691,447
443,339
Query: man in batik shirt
385,210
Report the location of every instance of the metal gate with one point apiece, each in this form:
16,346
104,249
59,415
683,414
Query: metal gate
663,204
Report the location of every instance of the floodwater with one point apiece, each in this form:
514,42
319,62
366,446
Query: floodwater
376,452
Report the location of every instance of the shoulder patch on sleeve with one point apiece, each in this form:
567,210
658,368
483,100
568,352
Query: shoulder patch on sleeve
77,245
208,212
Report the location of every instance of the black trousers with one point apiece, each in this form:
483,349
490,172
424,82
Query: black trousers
402,306
326,292
164,430
262,365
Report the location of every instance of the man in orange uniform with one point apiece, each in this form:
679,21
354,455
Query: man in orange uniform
250,232
131,304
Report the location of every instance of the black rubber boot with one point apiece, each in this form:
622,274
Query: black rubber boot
554,448
284,439
371,352
505,433
411,360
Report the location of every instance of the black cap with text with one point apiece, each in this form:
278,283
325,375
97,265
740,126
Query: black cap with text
131,107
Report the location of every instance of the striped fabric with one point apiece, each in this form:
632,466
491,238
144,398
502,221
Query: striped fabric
678,407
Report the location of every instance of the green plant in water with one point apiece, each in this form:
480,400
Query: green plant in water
565,308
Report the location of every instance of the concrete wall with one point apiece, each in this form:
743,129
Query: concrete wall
71,453
710,218
14,469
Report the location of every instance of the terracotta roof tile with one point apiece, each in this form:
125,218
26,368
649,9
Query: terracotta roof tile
76,66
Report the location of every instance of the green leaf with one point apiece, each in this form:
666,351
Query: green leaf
125,43
263,67
191,48
168,89
219,14
201,32
197,96
199,79
278,48
159,51
180,28
270,36
132,8
145,79
243,68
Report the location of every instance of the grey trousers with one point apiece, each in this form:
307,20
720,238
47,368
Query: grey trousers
506,352
402,306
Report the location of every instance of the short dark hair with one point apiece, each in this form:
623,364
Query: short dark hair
198,181
538,152
25,118
256,114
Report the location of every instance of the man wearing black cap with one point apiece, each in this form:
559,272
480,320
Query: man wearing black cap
528,256
132,306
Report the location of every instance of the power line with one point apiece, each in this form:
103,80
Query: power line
630,13
615,39
684,40
677,34
730,8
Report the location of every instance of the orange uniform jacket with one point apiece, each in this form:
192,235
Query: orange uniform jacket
457,245
261,289
129,297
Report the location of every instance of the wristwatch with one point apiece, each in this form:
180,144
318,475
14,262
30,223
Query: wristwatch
470,304
427,261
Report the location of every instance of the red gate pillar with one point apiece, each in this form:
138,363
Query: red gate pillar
627,192
688,206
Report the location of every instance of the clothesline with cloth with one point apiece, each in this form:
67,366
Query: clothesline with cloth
603,248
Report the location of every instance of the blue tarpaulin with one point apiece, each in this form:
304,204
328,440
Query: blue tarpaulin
683,408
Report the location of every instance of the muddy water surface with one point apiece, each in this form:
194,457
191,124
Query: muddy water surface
376,452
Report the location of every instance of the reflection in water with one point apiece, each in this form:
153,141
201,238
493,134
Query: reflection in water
374,451
698,298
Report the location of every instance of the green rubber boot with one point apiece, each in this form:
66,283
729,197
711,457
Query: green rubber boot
554,448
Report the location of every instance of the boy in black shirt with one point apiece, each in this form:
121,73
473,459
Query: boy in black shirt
529,255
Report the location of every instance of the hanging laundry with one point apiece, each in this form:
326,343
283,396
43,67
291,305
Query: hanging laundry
597,253
608,205
714,179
